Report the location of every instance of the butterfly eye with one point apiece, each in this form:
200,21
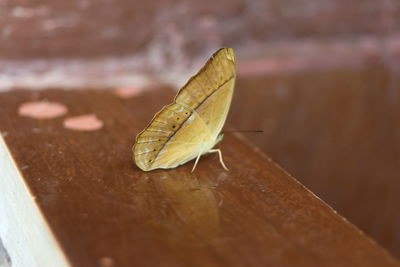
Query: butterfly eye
154,150
150,160
173,126
186,113
177,118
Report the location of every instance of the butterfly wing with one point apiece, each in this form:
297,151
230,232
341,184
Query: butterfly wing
172,138
190,125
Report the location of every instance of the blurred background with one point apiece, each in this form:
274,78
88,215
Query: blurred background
321,78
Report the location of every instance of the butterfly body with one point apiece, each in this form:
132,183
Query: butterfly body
191,125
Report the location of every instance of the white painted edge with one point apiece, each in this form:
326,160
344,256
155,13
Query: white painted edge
23,229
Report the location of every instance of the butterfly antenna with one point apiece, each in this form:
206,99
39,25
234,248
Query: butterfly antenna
243,131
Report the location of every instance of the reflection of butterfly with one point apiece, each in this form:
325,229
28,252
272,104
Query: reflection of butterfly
191,125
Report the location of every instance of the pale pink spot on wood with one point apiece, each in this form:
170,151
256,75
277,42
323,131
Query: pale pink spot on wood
128,92
42,110
88,122
107,262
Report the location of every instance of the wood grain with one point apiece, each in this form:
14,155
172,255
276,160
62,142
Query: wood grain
336,131
104,211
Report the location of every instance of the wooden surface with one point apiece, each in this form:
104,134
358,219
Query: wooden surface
338,132
104,211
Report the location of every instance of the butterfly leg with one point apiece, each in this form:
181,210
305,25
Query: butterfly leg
197,160
220,157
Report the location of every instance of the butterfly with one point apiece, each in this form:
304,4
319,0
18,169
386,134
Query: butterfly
190,126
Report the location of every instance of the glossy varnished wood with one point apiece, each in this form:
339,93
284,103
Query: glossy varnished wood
336,131
103,209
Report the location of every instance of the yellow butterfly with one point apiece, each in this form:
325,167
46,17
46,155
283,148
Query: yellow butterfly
191,125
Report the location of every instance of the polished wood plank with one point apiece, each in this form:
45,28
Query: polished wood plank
104,211
338,132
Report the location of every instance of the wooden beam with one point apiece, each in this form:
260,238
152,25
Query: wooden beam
76,196
338,133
